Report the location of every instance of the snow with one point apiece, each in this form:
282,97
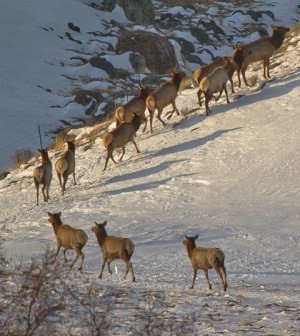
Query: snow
231,177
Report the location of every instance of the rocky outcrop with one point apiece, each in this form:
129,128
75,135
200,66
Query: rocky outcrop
157,50
140,12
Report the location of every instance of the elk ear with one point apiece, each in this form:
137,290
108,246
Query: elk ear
105,222
196,237
59,213
49,214
186,237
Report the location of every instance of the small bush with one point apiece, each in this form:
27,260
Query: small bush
21,156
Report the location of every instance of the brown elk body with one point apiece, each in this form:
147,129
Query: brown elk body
164,96
43,175
207,69
137,105
216,82
114,248
65,166
204,259
120,136
68,237
260,50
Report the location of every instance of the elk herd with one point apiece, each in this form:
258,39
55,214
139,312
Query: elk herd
212,79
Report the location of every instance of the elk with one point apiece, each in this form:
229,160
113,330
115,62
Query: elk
164,96
65,166
43,175
113,248
207,69
216,82
68,237
120,136
137,105
259,50
204,258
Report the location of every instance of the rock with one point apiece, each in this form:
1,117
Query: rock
157,50
200,35
140,12
3,175
101,63
73,27
187,47
137,62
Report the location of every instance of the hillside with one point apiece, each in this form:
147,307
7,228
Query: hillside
45,63
231,177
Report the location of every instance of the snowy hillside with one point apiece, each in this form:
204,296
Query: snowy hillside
38,59
231,177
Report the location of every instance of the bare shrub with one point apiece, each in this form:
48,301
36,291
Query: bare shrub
21,156
33,297
155,318
41,298
96,306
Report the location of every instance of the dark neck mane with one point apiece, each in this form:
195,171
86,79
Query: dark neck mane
277,38
101,237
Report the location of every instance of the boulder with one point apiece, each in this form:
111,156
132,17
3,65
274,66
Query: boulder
157,50
140,12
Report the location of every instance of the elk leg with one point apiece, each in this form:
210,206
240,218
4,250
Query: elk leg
76,258
244,75
74,180
135,145
232,88
159,117
132,273
174,110
225,277
44,193
194,278
123,152
220,94
57,251
217,269
239,76
208,96
199,96
108,266
206,276
102,267
37,191
65,251
225,89
108,156
151,113
59,178
144,129
65,178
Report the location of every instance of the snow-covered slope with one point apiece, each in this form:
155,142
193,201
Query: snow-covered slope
231,177
39,74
